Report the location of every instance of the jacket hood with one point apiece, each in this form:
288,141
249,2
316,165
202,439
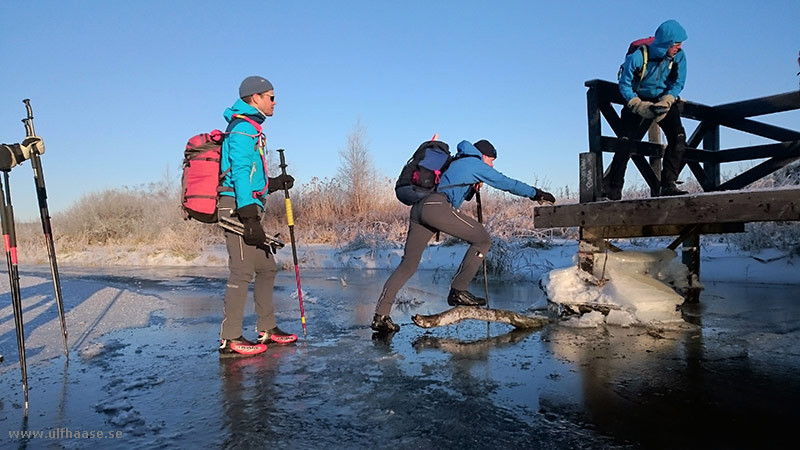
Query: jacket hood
466,148
667,34
241,107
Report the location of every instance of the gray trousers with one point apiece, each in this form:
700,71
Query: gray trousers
244,261
428,216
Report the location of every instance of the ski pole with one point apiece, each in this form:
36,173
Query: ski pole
485,270
290,220
10,239
47,229
236,227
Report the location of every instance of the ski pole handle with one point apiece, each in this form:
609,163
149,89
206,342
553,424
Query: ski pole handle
28,121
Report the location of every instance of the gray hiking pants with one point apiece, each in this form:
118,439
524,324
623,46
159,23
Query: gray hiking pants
244,261
432,214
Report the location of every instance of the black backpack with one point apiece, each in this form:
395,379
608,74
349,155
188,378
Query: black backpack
420,175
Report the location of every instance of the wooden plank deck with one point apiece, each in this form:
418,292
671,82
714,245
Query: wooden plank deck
662,216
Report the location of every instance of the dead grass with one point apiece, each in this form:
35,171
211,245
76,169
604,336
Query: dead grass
150,217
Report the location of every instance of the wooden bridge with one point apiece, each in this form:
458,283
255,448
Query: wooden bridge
720,208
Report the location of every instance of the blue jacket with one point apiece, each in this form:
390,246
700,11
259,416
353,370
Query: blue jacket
241,162
468,168
657,81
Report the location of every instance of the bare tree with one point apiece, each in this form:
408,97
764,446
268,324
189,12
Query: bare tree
356,170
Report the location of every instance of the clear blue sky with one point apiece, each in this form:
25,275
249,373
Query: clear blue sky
118,87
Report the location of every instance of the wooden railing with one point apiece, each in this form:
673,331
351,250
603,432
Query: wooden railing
703,153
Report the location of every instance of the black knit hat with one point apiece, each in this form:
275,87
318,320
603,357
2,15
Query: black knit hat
486,148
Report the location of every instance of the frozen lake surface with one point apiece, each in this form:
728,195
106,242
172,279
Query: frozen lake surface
144,364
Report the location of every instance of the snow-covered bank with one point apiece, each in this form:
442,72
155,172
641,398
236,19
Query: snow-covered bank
638,288
718,262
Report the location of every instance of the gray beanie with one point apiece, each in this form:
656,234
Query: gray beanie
254,85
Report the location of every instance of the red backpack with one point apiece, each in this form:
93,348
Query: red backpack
642,44
200,183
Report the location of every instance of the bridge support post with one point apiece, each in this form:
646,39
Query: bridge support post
586,251
690,256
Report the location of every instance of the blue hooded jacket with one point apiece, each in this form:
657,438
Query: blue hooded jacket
468,168
241,161
656,82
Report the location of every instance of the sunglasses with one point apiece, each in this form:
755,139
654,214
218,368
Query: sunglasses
271,97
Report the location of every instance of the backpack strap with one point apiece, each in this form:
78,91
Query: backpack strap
456,158
252,122
644,50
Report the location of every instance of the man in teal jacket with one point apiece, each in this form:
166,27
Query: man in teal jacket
650,88
244,186
472,165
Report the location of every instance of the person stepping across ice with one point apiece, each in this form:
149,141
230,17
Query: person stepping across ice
240,347
277,336
440,210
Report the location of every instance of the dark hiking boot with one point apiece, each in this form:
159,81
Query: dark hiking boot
384,324
464,298
670,190
277,336
240,347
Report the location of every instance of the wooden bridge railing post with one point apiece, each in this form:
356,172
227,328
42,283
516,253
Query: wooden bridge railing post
654,136
591,165
711,169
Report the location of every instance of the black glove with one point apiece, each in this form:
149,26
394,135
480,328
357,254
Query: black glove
253,231
543,196
279,182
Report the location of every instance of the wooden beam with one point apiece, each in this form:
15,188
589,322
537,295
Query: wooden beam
699,134
649,149
611,117
779,150
722,207
647,172
747,108
700,175
756,173
731,115
619,231
606,90
704,113
759,106
652,150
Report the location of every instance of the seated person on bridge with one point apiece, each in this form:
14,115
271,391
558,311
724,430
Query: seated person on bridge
649,89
